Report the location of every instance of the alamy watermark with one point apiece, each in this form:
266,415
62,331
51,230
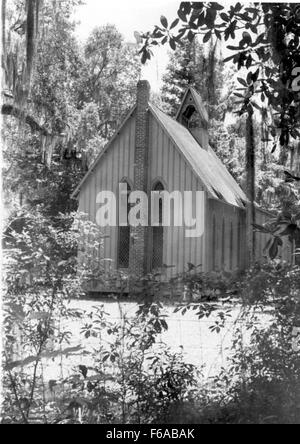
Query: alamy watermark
163,208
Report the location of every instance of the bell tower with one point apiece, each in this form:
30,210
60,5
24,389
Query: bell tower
193,115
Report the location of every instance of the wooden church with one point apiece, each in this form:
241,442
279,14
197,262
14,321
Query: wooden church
152,151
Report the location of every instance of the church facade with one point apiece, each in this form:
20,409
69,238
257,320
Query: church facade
153,152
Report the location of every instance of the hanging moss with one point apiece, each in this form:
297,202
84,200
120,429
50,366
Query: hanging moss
30,37
3,18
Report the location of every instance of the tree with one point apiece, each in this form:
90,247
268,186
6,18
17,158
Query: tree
76,116
262,46
109,76
190,65
180,73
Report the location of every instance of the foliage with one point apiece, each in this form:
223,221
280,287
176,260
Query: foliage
146,380
190,66
260,384
42,274
263,381
70,116
284,225
268,43
109,77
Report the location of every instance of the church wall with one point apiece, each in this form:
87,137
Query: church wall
169,166
116,164
226,236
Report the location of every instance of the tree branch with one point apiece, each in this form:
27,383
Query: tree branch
11,110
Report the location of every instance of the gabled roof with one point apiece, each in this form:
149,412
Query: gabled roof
205,163
198,102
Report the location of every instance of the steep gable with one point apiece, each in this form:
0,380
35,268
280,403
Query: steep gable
192,96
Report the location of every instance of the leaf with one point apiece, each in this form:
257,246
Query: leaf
157,34
255,75
260,39
274,148
210,18
191,36
228,58
247,38
182,15
233,48
174,24
261,229
83,370
249,78
239,95
224,17
289,230
218,35
164,21
273,251
256,106
207,37
164,325
242,81
217,6
249,61
172,44
144,57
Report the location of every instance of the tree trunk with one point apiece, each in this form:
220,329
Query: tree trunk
250,171
18,113
3,20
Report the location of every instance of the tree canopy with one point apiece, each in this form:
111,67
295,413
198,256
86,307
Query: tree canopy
266,50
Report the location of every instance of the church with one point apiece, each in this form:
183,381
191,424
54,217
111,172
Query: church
150,151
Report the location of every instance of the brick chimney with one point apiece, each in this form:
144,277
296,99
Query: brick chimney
139,235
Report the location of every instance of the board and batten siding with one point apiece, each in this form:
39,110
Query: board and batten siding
116,163
226,236
168,165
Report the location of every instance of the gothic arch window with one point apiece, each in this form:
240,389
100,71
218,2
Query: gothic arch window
158,234
124,237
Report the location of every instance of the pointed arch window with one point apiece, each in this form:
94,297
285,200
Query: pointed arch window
158,234
124,238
